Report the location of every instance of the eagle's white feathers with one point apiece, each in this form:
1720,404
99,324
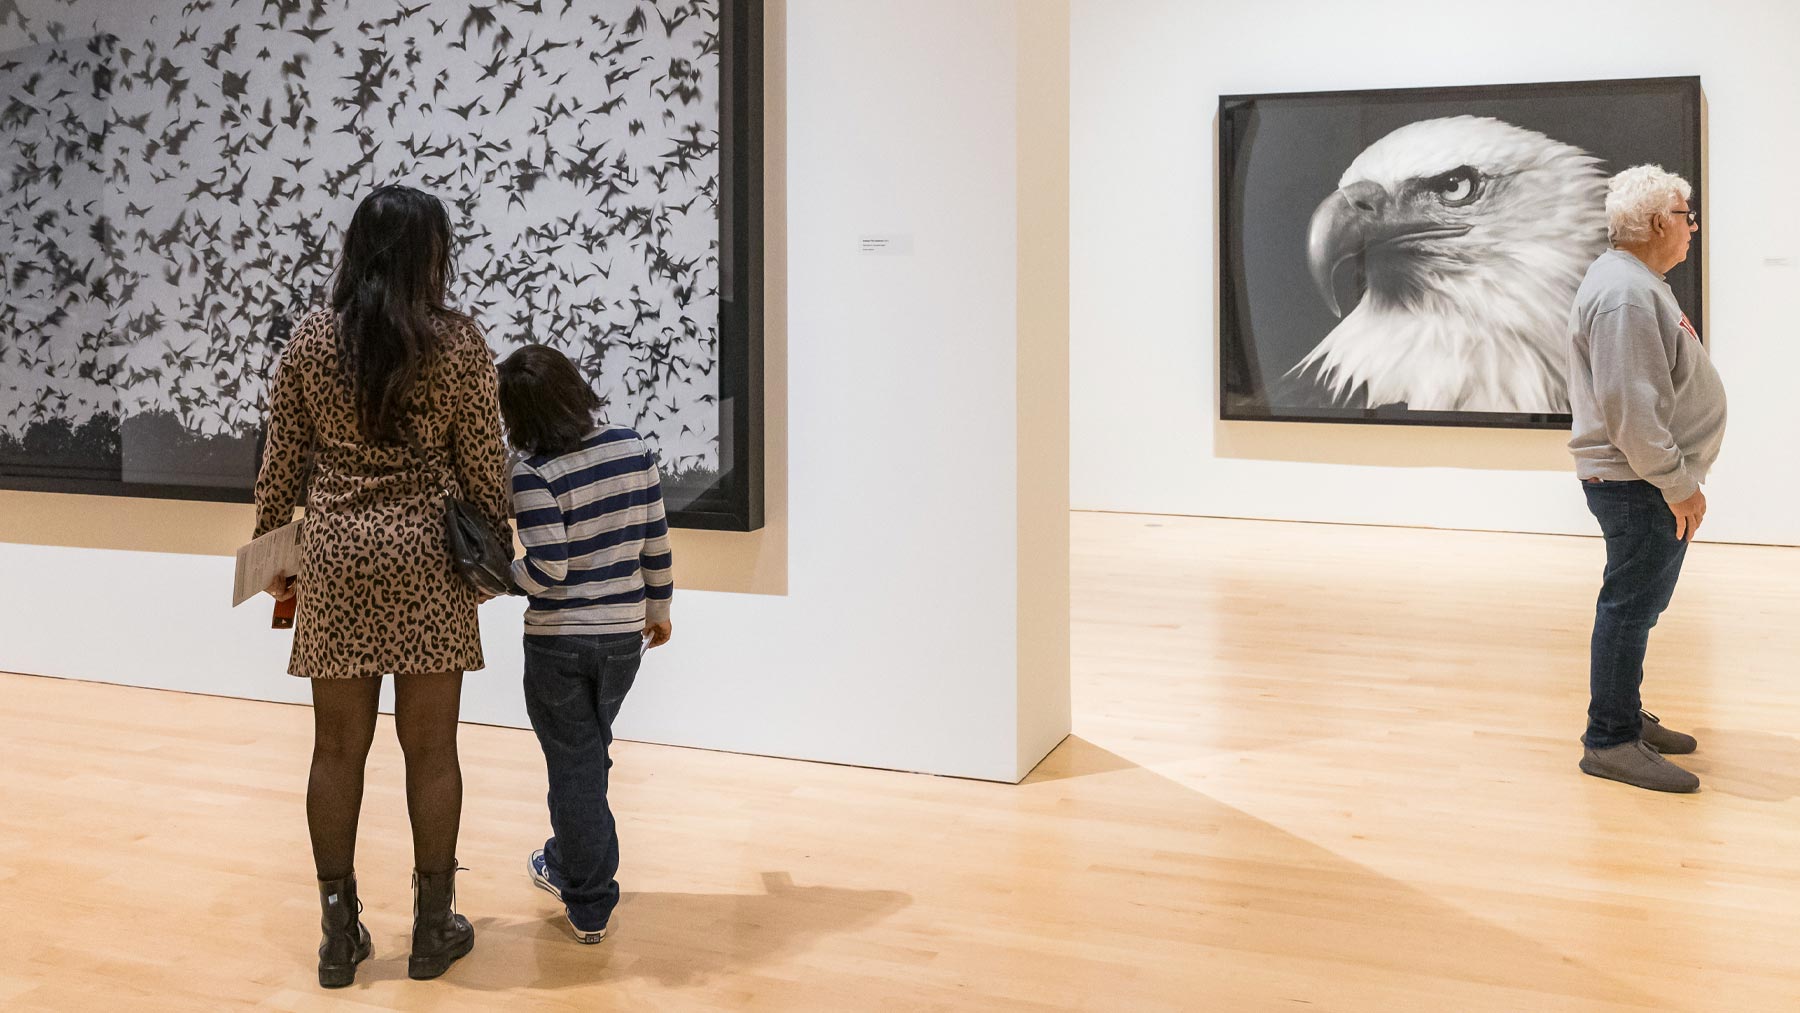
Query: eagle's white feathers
1481,323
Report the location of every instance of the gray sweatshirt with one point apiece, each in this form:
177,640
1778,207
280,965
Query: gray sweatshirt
1646,399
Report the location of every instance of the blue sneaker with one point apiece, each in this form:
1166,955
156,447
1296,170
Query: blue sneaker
539,868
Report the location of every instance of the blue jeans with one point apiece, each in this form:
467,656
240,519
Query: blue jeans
573,688
1643,561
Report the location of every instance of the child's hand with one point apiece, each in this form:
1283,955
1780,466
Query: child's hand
658,633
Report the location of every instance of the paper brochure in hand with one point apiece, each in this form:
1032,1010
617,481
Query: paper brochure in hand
276,554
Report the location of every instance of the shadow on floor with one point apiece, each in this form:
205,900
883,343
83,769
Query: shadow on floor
1076,757
1759,766
668,940
1226,888
1201,888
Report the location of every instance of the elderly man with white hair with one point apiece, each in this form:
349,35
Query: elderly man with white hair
1649,417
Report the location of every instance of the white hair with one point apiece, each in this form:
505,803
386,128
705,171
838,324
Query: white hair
1636,195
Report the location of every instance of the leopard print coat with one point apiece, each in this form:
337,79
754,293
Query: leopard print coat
377,590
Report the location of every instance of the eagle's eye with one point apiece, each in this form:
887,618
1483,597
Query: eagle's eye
1457,187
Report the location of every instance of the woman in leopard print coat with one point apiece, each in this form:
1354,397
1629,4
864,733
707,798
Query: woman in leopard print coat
380,405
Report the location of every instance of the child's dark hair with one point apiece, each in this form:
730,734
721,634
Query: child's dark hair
548,407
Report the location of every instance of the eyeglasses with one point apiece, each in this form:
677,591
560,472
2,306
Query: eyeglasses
1693,216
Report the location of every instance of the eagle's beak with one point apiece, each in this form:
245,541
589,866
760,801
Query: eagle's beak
1350,223
1342,228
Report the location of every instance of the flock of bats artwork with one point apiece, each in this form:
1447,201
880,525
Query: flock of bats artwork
178,175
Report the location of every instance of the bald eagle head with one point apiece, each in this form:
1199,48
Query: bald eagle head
1456,244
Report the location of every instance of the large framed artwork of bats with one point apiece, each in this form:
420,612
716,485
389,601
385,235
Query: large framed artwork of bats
178,173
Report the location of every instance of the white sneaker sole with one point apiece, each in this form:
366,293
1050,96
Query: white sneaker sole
585,937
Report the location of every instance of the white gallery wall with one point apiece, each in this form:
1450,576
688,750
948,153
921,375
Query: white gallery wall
1146,76
897,612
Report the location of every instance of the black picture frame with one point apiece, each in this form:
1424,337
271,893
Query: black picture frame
736,501
1242,385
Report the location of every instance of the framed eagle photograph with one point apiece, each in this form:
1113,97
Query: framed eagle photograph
1410,256
179,173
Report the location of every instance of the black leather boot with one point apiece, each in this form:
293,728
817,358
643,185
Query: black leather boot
345,943
440,935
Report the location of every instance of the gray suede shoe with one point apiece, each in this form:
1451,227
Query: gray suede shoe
1635,763
1665,740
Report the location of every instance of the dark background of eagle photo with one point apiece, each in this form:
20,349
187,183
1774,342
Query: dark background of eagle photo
1422,340
178,173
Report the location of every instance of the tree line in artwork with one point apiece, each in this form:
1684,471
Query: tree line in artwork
162,448
159,445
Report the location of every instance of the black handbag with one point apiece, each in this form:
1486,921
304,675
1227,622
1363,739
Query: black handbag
477,552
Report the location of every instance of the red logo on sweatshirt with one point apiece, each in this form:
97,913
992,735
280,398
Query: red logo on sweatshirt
1688,327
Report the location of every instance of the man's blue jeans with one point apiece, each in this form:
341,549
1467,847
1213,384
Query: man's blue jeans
573,688
1643,561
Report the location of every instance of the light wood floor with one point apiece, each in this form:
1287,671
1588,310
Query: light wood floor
1313,767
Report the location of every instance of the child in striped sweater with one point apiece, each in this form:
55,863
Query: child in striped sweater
599,574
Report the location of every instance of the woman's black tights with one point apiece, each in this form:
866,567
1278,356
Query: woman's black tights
425,713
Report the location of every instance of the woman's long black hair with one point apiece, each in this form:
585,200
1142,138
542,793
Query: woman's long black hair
391,284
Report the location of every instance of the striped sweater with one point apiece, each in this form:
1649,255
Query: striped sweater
596,542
